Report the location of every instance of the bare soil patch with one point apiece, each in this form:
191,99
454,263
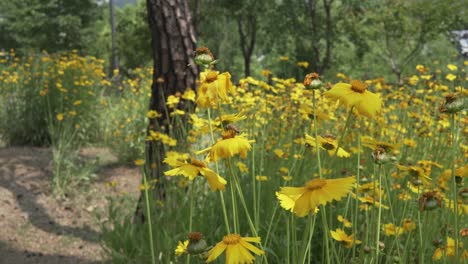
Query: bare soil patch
36,227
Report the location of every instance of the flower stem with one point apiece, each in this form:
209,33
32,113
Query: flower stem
221,195
348,121
356,206
454,183
319,165
148,214
377,240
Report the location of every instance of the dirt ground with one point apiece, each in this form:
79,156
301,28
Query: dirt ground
36,227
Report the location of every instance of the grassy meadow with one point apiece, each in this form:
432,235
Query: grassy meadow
266,169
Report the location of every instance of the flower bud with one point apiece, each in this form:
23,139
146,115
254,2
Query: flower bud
312,81
380,156
196,244
204,57
454,103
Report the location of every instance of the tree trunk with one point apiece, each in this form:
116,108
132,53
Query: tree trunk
321,62
173,45
247,26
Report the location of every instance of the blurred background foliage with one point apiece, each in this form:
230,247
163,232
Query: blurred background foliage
332,36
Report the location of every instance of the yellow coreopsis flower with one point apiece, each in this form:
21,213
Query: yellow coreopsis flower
315,192
181,248
327,143
153,114
214,87
195,168
450,77
347,240
172,101
345,221
449,250
452,67
189,94
392,230
229,146
356,95
408,225
139,162
238,249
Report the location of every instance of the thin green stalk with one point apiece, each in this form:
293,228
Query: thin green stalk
307,251
191,198
454,183
235,216
256,208
377,240
221,194
319,165
148,213
288,243
293,236
267,236
356,205
421,240
348,121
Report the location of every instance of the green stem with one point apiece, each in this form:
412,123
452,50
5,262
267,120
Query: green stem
319,165
348,121
221,194
356,206
148,213
454,183
377,240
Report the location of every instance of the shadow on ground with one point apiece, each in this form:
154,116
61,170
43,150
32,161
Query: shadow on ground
13,256
23,174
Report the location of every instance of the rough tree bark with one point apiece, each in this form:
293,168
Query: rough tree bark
173,45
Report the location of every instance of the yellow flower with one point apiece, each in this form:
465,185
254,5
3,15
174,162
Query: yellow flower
452,67
139,162
356,95
368,201
303,64
279,153
266,73
408,225
77,102
418,174
181,248
284,58
261,178
449,250
60,117
345,221
347,240
238,249
195,168
327,143
413,80
375,144
153,114
314,193
227,147
177,112
189,95
172,101
450,77
214,87
392,230
242,167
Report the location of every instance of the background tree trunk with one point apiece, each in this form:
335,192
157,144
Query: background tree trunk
173,46
247,26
